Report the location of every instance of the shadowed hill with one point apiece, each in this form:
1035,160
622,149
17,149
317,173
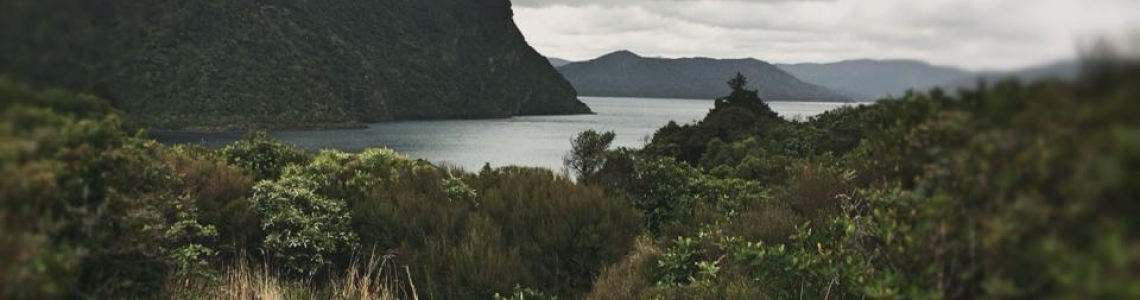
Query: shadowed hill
219,63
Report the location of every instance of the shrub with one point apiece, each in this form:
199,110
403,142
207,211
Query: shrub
469,236
675,198
767,223
815,188
221,196
631,277
566,232
352,176
261,157
304,231
679,262
521,293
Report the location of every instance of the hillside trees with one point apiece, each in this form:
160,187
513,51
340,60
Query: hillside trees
1010,190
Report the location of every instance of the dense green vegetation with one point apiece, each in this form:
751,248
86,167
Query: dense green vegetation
215,64
91,211
1007,191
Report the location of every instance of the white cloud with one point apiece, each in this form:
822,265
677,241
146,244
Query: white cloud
976,34
547,3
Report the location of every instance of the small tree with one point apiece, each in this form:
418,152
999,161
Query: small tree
588,152
738,82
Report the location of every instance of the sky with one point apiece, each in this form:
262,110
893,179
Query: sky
970,34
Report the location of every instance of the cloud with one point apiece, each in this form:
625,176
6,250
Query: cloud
977,34
612,3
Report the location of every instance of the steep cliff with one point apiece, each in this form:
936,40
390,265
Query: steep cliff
285,63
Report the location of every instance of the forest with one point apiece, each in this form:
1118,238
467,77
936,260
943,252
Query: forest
1008,190
218,65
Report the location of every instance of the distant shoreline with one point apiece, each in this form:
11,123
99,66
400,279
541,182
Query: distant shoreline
765,101
354,125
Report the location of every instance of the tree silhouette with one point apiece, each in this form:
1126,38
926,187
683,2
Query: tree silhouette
587,154
737,82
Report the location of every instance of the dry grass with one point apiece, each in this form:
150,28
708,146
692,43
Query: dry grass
376,279
769,223
629,278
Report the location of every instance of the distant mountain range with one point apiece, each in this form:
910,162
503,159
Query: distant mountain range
625,74
869,80
1064,70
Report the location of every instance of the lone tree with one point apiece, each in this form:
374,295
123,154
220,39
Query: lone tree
588,153
737,82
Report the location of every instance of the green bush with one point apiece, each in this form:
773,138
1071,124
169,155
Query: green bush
470,236
678,263
221,197
521,293
1008,191
105,212
261,157
304,231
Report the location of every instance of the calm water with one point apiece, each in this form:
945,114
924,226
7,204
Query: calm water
524,141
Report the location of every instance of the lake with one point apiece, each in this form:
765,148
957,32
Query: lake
537,141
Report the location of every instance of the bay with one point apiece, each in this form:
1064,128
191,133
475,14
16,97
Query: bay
533,141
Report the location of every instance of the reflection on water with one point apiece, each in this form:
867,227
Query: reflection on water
539,141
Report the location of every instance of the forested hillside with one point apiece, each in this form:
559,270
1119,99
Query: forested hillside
268,63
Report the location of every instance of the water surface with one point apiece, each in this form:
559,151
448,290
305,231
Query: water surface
537,141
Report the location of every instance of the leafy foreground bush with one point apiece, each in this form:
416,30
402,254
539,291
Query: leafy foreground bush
303,231
87,211
1009,191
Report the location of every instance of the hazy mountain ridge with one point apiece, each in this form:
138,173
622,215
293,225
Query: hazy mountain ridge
625,74
1067,70
217,63
866,79
870,80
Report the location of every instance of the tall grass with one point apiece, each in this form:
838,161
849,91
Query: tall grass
375,278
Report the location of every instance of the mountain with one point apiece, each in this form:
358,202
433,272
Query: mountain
1067,70
558,62
869,80
625,74
274,63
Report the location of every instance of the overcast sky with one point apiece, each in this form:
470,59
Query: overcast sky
973,34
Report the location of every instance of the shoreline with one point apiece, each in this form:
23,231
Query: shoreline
354,125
